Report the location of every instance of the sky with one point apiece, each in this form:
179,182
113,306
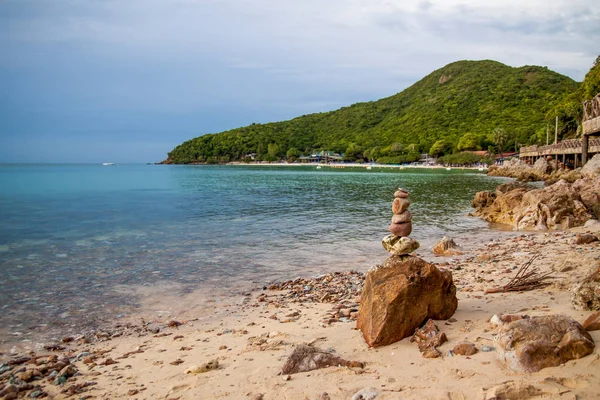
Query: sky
128,80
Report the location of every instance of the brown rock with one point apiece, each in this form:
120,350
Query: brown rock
483,199
586,295
400,205
589,192
592,323
529,345
401,193
428,337
465,349
585,238
399,246
307,358
402,229
398,296
406,216
446,247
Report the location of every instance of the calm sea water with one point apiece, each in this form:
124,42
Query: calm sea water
74,238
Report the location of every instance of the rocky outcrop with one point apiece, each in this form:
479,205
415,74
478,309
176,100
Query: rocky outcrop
586,295
561,205
531,344
516,168
446,247
592,168
307,358
402,294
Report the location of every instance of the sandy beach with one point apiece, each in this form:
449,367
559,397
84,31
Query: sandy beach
251,337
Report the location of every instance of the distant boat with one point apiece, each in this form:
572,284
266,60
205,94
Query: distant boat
448,169
369,167
480,169
318,167
106,164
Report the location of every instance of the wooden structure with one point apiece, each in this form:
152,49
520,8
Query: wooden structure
591,124
575,153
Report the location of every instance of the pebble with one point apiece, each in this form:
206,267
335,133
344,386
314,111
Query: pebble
487,348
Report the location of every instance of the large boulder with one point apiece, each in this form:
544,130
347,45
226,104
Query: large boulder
586,295
542,166
589,193
553,207
400,296
591,169
531,344
503,207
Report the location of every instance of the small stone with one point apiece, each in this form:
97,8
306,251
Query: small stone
401,229
324,396
133,392
399,245
223,347
400,205
487,349
465,349
200,369
406,216
592,323
365,394
446,247
401,193
585,238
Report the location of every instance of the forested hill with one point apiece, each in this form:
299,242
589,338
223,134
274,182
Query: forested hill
456,107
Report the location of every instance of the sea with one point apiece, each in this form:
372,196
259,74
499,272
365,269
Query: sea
83,245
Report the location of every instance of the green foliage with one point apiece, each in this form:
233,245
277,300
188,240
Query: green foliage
439,148
293,154
464,158
469,141
463,97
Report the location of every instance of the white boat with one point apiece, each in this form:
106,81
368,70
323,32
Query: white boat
106,164
369,167
318,167
448,169
480,169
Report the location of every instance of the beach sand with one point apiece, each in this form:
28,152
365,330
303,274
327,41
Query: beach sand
251,345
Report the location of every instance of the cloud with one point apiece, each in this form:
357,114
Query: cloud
266,59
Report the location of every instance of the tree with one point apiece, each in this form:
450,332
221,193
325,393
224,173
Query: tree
439,148
292,154
468,141
500,138
353,152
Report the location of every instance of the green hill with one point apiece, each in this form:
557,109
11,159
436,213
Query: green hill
458,106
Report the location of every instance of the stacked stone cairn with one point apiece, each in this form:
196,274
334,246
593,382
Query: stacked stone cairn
399,243
404,292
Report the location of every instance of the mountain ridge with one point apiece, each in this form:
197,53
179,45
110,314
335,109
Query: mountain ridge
463,97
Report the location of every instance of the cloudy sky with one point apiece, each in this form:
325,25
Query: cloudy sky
127,80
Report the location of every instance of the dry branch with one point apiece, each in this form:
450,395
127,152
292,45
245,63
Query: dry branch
527,278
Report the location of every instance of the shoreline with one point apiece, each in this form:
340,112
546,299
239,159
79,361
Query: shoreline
339,165
252,337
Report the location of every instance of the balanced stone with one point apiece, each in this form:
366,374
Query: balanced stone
405,216
401,229
401,193
399,245
400,205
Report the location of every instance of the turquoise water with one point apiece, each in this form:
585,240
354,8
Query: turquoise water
71,234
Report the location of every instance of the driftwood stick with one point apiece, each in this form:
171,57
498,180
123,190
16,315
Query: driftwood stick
526,278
